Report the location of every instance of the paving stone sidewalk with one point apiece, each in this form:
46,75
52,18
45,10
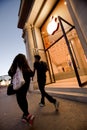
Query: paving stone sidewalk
71,116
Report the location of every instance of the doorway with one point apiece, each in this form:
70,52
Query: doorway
58,54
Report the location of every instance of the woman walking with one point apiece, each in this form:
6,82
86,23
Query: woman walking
21,62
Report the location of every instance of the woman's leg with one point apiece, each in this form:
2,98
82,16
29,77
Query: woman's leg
22,102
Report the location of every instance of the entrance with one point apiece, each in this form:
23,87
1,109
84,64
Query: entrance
64,52
69,62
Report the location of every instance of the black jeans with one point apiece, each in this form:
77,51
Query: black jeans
44,94
22,100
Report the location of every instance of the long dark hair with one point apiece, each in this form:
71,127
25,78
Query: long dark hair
20,61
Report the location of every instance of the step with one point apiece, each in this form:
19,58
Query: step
74,94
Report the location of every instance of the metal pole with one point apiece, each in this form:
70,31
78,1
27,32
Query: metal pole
52,78
72,58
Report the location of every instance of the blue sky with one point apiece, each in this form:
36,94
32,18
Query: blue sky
11,42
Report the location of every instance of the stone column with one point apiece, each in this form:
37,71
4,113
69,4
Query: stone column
29,43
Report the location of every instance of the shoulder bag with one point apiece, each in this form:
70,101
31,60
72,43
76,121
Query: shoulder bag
18,80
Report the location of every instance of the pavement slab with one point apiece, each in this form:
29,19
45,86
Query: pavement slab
71,115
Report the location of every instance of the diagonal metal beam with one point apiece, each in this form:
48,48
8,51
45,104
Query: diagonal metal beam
71,55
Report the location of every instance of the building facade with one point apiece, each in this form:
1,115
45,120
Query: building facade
62,45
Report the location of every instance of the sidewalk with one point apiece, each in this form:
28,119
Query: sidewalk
71,116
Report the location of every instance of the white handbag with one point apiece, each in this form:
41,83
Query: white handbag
18,79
